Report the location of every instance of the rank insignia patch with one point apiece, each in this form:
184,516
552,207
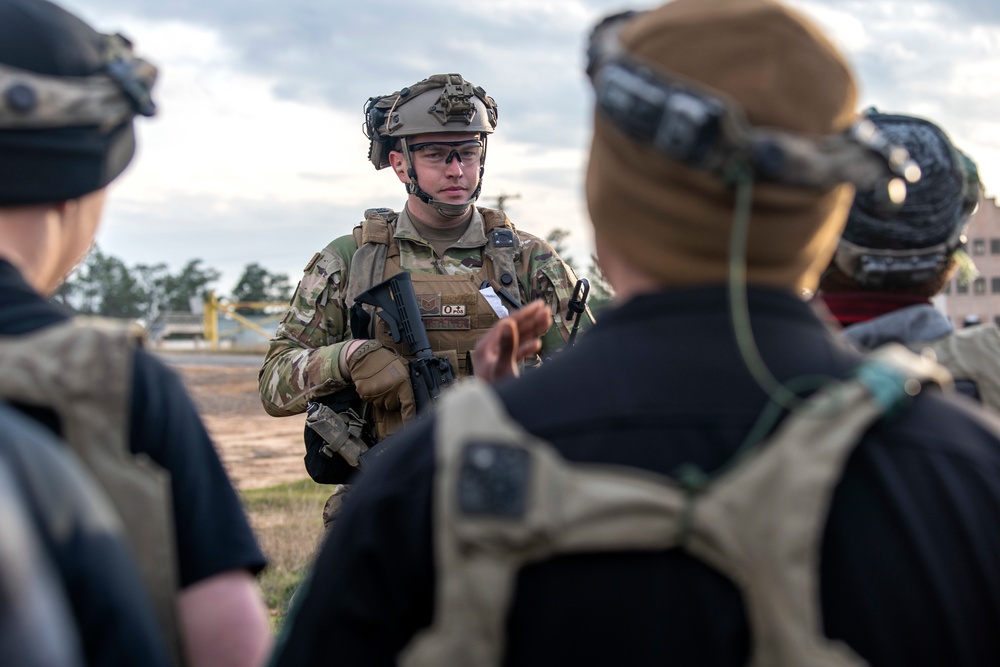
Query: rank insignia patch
430,304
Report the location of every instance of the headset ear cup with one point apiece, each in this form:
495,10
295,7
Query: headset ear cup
374,117
378,148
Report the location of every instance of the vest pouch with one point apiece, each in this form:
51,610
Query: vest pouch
335,436
451,356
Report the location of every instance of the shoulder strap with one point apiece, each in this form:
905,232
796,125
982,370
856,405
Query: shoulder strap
82,370
793,475
503,498
374,238
503,246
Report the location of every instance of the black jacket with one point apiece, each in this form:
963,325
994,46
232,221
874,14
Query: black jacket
908,563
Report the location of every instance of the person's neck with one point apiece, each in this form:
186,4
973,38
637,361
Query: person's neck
27,241
440,238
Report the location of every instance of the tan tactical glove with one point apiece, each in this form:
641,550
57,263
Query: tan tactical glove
381,377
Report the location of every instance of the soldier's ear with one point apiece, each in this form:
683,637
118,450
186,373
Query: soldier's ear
398,165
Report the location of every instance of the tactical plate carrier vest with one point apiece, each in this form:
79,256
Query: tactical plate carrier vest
82,371
503,498
453,311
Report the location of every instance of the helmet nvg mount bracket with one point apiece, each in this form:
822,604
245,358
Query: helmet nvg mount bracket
439,103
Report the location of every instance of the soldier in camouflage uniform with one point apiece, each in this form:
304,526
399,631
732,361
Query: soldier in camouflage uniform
469,266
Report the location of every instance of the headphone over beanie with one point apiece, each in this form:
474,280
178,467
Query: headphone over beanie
40,165
672,222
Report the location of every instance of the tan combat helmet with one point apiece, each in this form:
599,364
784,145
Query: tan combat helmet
439,103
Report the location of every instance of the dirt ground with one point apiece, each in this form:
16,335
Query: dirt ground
257,449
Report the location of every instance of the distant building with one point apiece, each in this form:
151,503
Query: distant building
979,299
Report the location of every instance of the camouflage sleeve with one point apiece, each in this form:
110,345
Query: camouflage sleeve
551,279
302,358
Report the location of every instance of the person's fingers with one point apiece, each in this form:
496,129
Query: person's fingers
530,309
529,348
533,320
537,321
506,362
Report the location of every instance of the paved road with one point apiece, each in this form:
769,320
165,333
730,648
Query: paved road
211,358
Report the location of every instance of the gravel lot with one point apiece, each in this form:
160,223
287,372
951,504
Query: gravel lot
257,450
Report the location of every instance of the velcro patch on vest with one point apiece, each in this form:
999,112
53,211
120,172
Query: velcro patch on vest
493,480
503,238
447,323
430,304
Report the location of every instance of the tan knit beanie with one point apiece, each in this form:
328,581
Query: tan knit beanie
672,222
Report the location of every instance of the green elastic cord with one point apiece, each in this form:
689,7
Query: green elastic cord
782,397
741,178
693,481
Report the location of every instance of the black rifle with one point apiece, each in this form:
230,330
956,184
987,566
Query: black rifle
397,306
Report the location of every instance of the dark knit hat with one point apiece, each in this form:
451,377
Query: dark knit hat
936,207
672,222
41,47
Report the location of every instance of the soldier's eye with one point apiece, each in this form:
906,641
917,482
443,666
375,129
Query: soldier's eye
433,155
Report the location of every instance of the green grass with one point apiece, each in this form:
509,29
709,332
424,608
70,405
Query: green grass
287,519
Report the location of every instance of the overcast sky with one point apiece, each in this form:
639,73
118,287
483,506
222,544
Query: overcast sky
257,154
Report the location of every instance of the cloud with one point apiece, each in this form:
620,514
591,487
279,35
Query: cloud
932,59
259,149
968,11
339,54
241,81
226,236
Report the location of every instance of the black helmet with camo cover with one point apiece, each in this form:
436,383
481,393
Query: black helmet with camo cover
68,95
439,103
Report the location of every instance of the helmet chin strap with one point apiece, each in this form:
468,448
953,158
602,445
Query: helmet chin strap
447,209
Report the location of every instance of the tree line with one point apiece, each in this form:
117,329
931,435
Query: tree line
105,285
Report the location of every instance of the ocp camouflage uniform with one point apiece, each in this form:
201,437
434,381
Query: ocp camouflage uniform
302,360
